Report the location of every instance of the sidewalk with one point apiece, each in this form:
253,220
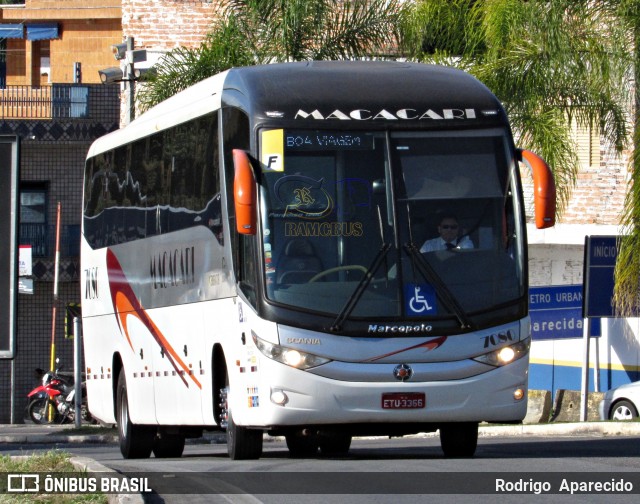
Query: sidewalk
67,433
45,434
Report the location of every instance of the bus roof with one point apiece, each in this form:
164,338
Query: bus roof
351,93
380,92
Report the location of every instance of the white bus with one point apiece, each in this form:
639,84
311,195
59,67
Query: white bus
254,261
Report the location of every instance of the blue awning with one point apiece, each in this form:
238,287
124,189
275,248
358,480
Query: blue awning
11,31
44,31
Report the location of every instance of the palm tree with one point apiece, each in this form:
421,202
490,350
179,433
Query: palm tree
550,62
265,31
627,270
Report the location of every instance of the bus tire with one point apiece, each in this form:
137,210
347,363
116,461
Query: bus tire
335,444
136,441
243,443
301,445
459,440
168,446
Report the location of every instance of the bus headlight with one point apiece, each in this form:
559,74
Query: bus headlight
289,356
505,355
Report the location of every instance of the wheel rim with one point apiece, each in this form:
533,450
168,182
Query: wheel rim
40,411
224,407
123,417
622,413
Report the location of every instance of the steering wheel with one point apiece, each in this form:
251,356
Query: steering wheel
338,268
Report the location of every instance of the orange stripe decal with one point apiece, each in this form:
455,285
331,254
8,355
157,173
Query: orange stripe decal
427,345
125,304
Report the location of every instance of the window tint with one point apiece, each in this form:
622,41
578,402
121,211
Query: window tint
159,184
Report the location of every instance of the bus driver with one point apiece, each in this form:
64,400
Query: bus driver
449,238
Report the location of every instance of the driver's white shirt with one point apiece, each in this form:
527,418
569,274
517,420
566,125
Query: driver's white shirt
439,244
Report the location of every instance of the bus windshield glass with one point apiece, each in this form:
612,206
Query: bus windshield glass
391,225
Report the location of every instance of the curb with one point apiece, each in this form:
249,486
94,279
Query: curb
58,438
90,465
564,429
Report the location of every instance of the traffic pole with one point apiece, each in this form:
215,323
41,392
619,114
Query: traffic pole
55,292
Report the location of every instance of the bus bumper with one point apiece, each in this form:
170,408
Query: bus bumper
299,398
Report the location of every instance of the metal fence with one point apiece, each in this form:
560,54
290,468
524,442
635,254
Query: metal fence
58,101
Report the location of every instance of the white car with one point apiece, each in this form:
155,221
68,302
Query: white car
621,403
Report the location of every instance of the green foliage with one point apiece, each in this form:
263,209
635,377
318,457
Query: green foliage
549,61
265,31
49,462
626,297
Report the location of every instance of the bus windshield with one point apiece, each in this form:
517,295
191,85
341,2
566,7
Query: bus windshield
391,225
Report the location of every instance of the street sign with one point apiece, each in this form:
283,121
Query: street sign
600,253
556,312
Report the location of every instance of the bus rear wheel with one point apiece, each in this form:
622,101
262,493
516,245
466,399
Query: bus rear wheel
136,441
459,440
168,445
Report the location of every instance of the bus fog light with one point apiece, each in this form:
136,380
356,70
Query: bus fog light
279,397
518,394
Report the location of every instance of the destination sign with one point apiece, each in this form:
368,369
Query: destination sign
327,140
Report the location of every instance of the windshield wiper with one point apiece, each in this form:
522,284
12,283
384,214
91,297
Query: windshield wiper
442,291
360,288
364,281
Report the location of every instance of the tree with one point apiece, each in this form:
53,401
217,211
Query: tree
548,61
627,270
265,31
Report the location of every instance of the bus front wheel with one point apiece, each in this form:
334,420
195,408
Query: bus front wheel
136,441
242,443
459,440
335,444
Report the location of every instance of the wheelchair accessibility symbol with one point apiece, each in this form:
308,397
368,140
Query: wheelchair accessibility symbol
420,299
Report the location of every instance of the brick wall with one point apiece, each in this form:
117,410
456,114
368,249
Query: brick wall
166,24
598,197
599,194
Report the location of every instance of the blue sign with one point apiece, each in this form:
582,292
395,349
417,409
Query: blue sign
420,299
600,260
556,312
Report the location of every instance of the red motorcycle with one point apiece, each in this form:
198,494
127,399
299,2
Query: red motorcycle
54,400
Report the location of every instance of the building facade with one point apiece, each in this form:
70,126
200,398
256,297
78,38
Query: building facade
53,105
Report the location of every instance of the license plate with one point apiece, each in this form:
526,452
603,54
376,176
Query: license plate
403,400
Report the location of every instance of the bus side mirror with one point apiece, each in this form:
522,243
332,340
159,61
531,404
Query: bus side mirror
544,189
244,193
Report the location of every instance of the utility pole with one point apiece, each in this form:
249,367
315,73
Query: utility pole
130,75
